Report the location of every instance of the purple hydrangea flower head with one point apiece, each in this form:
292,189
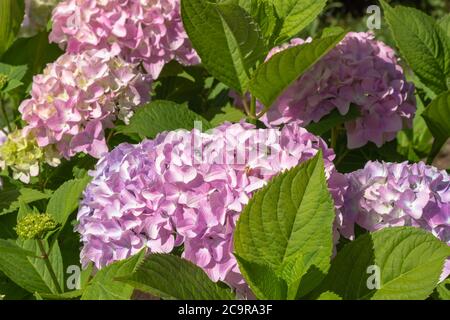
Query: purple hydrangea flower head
80,95
147,31
359,71
189,187
398,194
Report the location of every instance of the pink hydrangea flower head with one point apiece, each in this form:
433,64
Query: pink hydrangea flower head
359,71
189,188
398,194
147,31
80,95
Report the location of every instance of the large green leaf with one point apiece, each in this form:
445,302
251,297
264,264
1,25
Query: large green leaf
14,74
295,15
423,44
11,196
265,15
328,295
104,285
228,114
274,76
287,228
11,17
159,116
10,290
444,23
29,272
415,143
410,261
171,277
65,199
437,116
35,52
443,289
226,38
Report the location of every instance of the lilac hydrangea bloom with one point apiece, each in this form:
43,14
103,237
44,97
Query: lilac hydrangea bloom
398,194
359,71
78,96
147,31
189,188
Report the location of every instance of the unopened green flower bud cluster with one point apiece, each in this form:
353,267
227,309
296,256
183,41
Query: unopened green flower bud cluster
35,226
3,80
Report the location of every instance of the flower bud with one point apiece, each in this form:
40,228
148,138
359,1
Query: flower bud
35,226
3,80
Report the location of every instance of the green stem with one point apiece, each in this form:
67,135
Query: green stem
5,115
334,137
244,103
253,110
49,265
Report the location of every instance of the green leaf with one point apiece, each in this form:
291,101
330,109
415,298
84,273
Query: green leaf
62,296
14,74
415,143
437,116
296,15
12,196
444,23
7,246
410,261
226,38
30,272
332,120
264,281
65,199
229,113
159,116
274,76
104,285
35,52
328,295
10,290
423,44
287,226
443,289
11,17
171,277
264,14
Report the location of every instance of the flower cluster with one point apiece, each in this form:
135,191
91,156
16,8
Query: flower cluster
3,80
189,188
80,95
20,152
147,31
360,71
35,226
37,14
398,194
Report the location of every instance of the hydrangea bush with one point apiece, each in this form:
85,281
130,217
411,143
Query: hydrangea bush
187,149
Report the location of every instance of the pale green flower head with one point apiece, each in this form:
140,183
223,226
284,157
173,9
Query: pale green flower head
21,153
35,226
